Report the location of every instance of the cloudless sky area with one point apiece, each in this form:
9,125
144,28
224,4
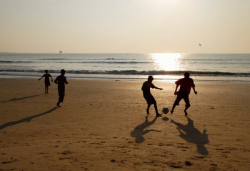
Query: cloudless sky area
125,26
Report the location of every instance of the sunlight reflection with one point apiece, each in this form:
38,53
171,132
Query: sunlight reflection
167,61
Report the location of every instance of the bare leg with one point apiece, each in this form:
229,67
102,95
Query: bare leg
148,108
46,89
185,110
156,110
61,96
172,111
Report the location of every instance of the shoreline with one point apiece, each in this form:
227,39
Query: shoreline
103,125
212,81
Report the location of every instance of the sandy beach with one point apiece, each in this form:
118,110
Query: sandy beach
103,125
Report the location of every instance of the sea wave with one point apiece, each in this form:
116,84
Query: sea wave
135,72
84,62
16,62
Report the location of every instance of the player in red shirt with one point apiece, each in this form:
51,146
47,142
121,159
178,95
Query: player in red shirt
185,84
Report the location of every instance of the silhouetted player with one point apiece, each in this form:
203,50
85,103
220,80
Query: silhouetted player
185,86
148,96
46,80
60,80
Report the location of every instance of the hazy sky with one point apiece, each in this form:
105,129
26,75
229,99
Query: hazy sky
125,26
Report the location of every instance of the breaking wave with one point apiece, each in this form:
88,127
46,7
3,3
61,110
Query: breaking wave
136,72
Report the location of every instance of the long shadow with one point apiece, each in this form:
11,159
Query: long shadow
139,131
28,119
16,99
192,135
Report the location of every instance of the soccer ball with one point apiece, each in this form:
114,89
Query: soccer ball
165,110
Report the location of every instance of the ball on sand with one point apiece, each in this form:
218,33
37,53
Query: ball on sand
165,110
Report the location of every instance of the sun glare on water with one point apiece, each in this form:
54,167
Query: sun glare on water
166,61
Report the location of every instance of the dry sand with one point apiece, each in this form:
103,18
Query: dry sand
103,125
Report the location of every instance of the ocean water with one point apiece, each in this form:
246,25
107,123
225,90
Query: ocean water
163,66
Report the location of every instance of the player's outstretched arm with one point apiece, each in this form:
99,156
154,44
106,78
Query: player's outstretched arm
175,92
41,78
158,88
194,90
153,86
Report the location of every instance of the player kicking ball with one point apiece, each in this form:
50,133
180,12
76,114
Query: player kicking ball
185,86
148,96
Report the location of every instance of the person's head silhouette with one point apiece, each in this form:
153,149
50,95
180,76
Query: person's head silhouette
150,78
63,72
186,75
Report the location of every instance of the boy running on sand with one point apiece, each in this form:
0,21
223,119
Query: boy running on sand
61,81
46,81
185,86
148,96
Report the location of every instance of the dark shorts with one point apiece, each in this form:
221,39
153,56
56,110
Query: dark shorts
149,98
47,83
61,93
184,96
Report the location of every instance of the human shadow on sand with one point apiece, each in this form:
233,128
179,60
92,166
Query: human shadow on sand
193,135
28,119
139,131
22,98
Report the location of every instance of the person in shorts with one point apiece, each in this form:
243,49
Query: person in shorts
185,84
61,81
46,80
147,94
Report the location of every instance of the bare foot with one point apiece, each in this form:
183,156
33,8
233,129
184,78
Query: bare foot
185,113
158,115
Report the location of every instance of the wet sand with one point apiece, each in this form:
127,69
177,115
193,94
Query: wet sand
103,125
